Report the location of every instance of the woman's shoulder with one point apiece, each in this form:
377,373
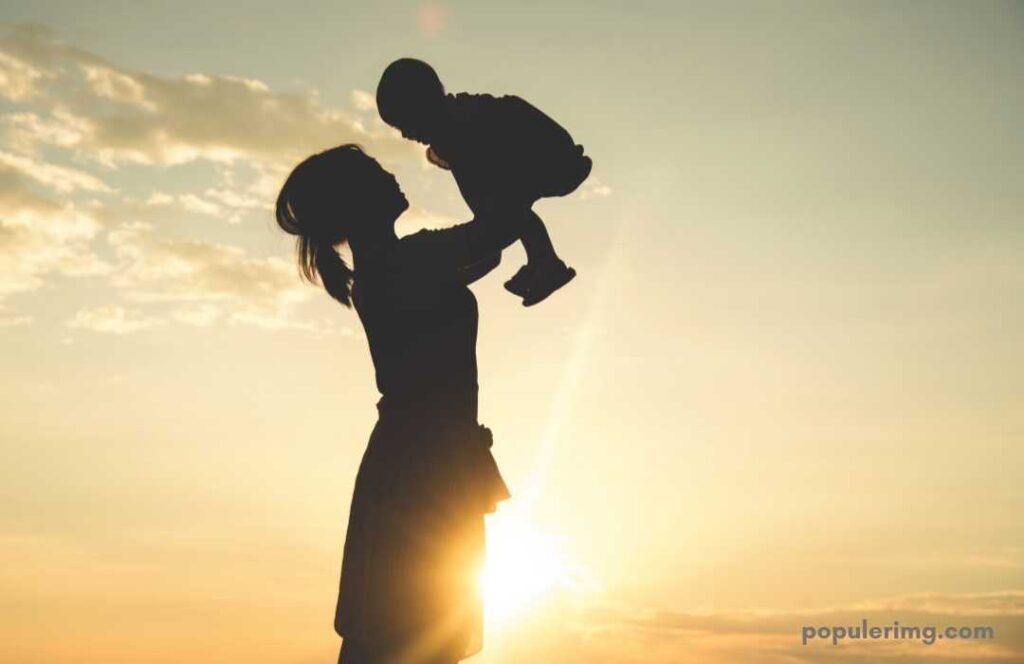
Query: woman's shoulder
429,246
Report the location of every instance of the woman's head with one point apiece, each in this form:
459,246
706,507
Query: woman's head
333,197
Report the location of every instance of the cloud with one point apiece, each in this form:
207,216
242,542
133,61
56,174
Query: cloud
594,188
216,202
83,133
208,281
188,202
39,237
116,115
152,267
110,84
112,319
364,101
14,321
196,283
17,78
59,178
198,315
26,131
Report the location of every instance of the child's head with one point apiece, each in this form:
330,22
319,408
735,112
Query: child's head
410,97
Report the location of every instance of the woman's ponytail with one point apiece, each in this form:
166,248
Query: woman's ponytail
335,275
302,211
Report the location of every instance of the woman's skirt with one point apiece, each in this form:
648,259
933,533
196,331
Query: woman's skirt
414,548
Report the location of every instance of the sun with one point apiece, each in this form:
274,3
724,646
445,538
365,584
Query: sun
523,565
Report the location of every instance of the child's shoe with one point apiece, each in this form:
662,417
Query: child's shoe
546,280
520,281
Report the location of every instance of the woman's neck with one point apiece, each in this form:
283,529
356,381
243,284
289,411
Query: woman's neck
367,252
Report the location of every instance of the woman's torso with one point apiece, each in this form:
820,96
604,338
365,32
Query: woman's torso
422,339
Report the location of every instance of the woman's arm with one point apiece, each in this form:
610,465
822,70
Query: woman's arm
480,269
467,251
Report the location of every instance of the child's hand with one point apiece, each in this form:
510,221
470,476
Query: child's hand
434,159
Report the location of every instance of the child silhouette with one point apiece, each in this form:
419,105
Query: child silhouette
502,152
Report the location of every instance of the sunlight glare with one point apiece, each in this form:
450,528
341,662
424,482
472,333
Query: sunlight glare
523,565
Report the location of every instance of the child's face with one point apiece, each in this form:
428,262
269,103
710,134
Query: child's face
416,129
420,120
414,133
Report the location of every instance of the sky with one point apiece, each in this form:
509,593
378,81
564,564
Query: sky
786,388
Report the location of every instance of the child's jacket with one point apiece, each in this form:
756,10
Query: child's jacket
506,149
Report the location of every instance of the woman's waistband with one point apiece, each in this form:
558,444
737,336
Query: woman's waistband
440,408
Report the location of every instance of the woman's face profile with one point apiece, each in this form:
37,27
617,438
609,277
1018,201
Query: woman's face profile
381,195
390,190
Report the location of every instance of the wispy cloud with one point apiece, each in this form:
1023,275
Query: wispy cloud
85,149
116,115
595,188
113,319
40,237
210,279
58,178
18,78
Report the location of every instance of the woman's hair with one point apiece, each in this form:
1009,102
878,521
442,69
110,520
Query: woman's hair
308,207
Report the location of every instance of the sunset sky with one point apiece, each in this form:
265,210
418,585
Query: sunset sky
786,388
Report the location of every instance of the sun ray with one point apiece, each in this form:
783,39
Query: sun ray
523,562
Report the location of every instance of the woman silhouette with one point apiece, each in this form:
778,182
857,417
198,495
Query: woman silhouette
409,591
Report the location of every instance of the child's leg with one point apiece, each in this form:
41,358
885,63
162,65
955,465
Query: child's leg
544,272
536,240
